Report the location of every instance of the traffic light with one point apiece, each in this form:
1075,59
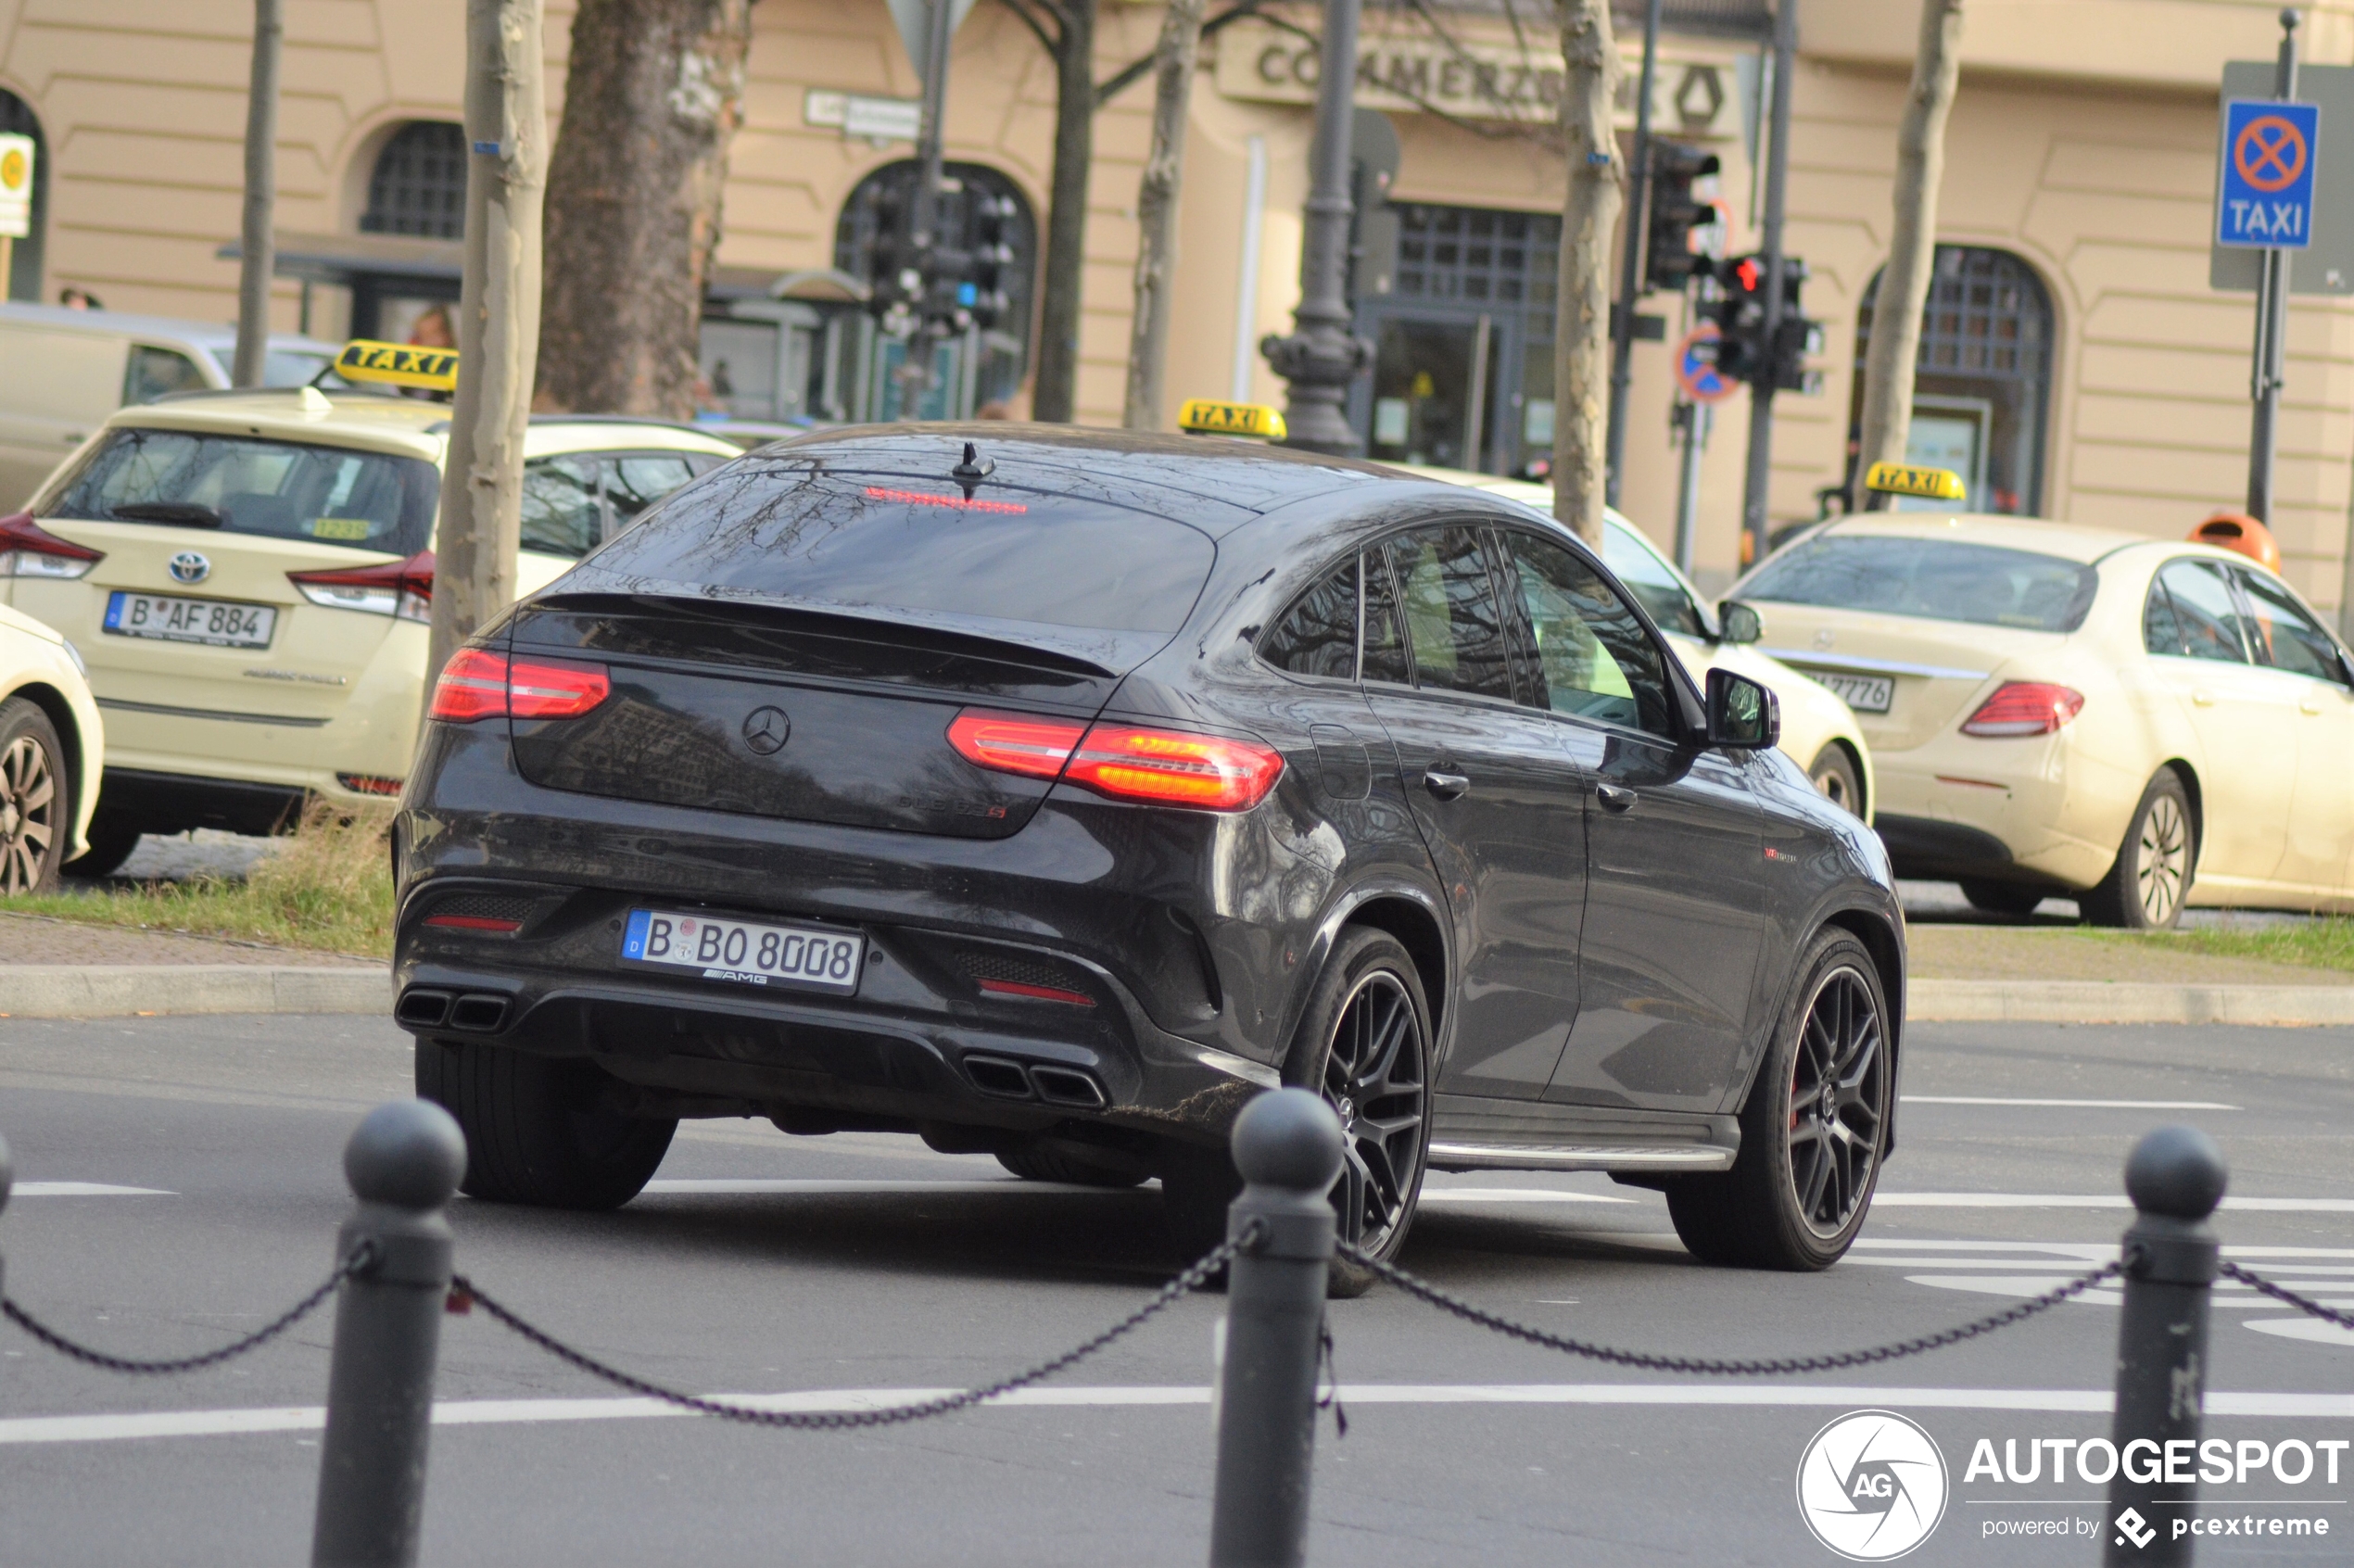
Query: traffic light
991,255
1669,260
1743,351
889,291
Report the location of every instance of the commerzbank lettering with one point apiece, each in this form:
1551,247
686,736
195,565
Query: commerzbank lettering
2216,1461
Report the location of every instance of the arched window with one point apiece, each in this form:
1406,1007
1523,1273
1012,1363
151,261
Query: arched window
1983,378
23,281
419,185
989,366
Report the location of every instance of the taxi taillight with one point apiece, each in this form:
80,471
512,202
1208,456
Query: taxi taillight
27,549
403,590
2025,707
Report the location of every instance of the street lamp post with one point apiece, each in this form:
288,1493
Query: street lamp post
1322,357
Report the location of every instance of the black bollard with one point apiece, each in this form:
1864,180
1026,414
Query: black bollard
1287,1146
403,1164
2175,1177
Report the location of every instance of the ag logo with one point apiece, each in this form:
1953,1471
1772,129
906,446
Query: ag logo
1871,1485
767,729
190,567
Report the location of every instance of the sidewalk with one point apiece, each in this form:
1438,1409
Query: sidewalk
2060,974
63,969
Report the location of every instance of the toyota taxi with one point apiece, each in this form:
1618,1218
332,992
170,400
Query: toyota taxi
248,575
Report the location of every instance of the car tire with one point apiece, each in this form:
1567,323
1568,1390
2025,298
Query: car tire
537,1129
1838,778
2003,898
2145,887
1033,1162
36,795
111,841
1802,1184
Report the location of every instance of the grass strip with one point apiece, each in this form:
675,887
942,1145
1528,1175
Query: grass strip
327,886
2326,943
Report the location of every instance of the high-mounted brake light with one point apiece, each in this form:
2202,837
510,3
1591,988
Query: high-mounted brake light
27,549
403,590
2025,707
1015,742
478,683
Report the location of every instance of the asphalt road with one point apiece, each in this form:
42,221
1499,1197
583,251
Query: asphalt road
902,1270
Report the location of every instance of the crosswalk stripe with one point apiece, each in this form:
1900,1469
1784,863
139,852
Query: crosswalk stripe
83,1189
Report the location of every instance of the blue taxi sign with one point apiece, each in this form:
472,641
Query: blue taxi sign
2265,195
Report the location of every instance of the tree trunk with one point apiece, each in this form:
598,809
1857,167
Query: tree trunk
1912,251
258,250
1581,310
498,325
1157,195
1053,395
652,102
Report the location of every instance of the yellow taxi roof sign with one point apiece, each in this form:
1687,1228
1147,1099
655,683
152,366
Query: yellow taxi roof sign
1206,416
398,364
1902,479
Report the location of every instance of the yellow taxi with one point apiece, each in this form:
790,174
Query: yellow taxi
249,575
2137,724
1818,731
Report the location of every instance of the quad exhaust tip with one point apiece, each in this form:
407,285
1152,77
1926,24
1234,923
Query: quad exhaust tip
477,1012
1007,1078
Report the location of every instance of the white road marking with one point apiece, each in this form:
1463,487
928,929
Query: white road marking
2078,1105
2309,1328
1515,1194
28,1429
83,1189
2096,1200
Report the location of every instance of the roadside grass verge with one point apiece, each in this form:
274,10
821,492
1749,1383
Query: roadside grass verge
327,886
2325,943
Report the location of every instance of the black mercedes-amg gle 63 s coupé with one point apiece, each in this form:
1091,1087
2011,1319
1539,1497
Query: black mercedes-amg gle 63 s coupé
1049,793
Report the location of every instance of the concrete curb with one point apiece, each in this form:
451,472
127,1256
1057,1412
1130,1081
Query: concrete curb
95,991
1957,1001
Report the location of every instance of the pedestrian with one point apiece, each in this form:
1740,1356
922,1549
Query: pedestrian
433,329
75,298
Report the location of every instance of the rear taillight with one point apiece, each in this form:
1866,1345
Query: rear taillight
403,590
1016,742
1173,768
2025,707
27,549
478,683
369,783
1164,767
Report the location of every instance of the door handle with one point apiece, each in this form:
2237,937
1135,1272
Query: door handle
1445,786
1616,797
2204,698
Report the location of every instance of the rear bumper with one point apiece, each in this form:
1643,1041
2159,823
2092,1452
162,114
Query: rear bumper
173,803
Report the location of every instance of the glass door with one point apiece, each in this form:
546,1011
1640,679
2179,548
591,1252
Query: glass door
1434,391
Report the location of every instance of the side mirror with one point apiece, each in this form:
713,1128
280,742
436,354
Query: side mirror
1742,715
1737,622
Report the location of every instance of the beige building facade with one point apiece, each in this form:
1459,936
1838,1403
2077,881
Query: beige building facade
2078,365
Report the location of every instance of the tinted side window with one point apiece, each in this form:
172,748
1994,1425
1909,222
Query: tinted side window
1384,632
1453,622
2286,636
1595,657
1318,634
157,372
560,515
2207,620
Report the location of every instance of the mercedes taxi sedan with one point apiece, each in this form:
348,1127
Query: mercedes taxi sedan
250,576
2136,723
1049,792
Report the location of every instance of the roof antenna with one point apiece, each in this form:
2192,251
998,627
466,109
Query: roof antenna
973,470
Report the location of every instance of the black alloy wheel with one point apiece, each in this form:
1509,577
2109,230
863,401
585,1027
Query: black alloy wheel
1813,1128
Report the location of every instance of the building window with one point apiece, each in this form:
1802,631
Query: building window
419,185
981,368
1983,378
23,281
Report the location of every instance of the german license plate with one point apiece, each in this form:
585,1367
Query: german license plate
215,623
1866,694
806,957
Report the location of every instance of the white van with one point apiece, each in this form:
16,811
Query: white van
63,372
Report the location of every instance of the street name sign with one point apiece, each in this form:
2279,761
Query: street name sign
2325,264
2264,196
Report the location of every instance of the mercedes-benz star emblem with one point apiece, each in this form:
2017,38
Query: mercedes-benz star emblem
190,567
767,729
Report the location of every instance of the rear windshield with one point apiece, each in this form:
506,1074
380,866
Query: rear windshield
1937,579
895,543
243,484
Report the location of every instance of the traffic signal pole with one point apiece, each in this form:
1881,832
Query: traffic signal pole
1760,394
923,206
1631,278
2272,323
